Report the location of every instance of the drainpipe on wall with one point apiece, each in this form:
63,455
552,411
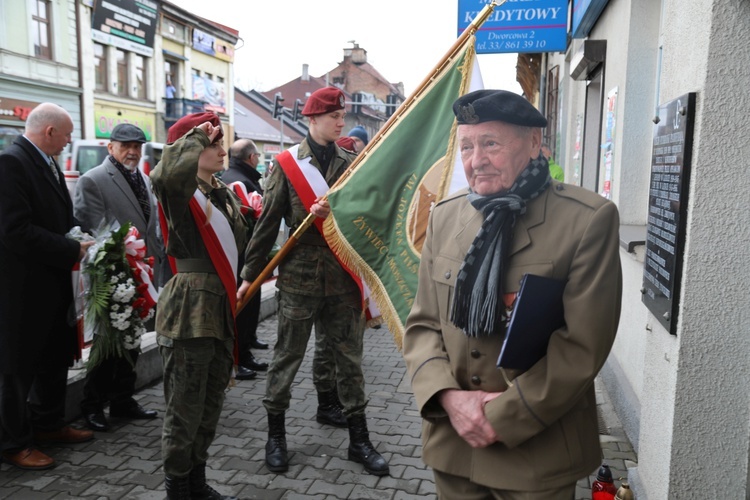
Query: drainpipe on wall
78,5
543,85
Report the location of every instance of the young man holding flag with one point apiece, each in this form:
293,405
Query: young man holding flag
314,288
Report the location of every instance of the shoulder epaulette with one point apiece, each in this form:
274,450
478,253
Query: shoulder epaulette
579,194
455,196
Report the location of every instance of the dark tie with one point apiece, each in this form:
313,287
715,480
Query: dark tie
54,170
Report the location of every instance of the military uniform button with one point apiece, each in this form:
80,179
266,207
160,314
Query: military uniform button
476,380
559,187
447,275
475,354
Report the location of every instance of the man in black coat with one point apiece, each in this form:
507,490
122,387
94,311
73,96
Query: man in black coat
38,339
243,161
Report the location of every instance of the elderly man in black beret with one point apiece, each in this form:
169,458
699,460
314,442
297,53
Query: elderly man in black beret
510,434
116,191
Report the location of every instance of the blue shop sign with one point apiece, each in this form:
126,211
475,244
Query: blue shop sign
518,25
585,15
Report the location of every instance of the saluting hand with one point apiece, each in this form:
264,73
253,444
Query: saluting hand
210,130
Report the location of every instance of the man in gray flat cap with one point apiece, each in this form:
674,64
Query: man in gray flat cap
510,434
118,191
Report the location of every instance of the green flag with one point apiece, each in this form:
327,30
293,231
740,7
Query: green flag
379,210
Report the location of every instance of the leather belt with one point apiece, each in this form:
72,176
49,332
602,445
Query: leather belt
195,266
313,239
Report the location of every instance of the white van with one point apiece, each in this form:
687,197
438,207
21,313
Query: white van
84,154
150,156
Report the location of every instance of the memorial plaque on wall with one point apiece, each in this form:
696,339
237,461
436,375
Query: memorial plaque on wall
667,207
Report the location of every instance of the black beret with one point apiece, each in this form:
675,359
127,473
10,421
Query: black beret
127,132
496,105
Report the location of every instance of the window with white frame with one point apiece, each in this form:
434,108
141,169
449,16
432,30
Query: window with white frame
40,28
100,67
139,66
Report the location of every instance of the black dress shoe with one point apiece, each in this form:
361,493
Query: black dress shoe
135,412
96,421
245,373
255,365
257,344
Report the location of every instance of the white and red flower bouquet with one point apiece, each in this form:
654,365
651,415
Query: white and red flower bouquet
118,292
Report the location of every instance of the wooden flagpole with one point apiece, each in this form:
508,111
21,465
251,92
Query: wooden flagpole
445,61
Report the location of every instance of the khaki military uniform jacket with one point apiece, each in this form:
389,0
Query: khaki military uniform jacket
310,268
193,304
547,421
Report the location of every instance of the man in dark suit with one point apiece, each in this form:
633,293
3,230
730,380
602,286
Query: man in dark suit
117,191
243,161
38,341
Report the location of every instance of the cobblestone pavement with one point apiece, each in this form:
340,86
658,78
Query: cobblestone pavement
126,462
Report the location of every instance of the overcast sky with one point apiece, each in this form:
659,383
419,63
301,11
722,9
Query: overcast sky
404,39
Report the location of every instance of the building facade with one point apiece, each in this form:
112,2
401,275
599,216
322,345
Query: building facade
39,61
108,64
647,107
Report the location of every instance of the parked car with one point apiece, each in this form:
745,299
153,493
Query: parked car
150,156
84,154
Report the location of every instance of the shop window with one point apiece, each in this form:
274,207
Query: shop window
40,28
100,67
122,73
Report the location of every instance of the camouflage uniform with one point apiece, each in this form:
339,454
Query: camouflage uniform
194,324
313,290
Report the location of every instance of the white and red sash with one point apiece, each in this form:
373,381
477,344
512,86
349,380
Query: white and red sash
249,201
219,239
310,185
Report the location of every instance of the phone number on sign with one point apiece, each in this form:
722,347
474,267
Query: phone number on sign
515,44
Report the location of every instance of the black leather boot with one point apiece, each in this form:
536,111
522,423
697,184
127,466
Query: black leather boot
361,449
330,409
178,488
199,490
276,456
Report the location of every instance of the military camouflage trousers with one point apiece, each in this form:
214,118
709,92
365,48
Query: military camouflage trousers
196,374
339,328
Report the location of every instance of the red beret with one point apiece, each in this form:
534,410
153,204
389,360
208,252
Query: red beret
347,143
188,122
325,100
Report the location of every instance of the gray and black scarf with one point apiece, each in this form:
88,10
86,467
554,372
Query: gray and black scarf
477,301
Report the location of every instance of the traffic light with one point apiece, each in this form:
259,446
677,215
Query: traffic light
278,108
297,109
